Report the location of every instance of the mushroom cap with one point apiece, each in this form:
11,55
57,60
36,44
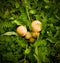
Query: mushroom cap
28,35
22,30
36,26
31,40
35,34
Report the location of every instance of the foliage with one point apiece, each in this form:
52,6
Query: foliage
16,49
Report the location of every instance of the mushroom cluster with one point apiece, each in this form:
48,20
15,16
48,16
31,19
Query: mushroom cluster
36,28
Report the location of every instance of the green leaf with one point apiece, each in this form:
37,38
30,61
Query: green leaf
47,1
40,43
17,4
27,51
32,11
37,58
36,50
17,22
6,14
10,33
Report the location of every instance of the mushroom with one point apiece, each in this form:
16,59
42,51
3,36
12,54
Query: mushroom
36,26
22,30
28,35
31,40
35,34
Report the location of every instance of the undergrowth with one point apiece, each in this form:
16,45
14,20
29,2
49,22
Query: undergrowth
16,49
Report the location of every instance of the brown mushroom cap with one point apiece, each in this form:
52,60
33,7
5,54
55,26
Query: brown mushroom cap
31,40
36,26
22,30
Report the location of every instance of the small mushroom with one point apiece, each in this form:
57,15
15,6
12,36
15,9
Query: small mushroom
22,30
36,26
31,40
28,35
35,34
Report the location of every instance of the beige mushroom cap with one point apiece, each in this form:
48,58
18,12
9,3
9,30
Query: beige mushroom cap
22,30
28,35
36,26
35,34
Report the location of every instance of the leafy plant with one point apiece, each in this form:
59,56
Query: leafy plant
17,49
